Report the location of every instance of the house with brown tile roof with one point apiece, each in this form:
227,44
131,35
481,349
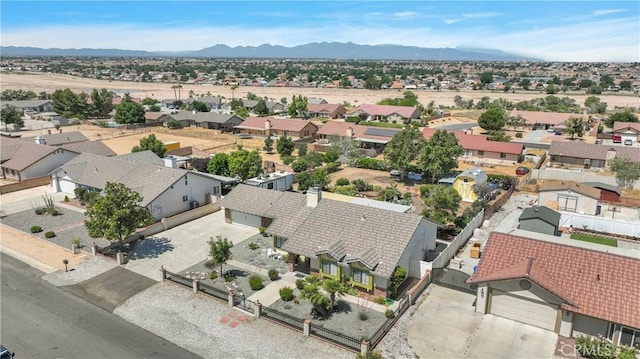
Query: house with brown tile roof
589,155
627,130
326,110
479,146
359,244
21,160
545,120
369,137
561,287
210,120
388,113
265,126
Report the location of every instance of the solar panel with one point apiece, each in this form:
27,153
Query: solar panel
383,132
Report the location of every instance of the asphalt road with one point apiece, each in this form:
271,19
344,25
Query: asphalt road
39,320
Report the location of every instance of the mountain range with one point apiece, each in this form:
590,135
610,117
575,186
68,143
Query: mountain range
315,50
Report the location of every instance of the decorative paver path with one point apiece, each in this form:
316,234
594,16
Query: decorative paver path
234,319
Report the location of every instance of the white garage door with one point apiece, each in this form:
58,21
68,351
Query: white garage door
66,186
246,219
523,310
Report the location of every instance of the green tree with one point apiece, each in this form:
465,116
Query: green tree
516,121
311,292
441,202
116,214
574,125
285,146
493,119
152,144
552,89
70,104
347,147
154,108
219,251
595,90
398,276
148,101
525,84
261,108
486,78
334,288
268,144
622,116
627,171
129,112
245,164
625,85
594,105
403,149
440,153
101,103
298,106
219,164
302,149
199,106
300,165
10,116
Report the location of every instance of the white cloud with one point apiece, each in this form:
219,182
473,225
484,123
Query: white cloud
405,14
481,15
607,12
450,21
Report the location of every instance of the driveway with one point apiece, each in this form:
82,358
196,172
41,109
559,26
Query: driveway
445,325
183,246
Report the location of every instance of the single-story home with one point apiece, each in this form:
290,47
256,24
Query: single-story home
566,287
166,191
358,244
326,110
95,147
386,113
466,182
30,105
316,101
589,155
627,130
545,120
570,196
22,160
57,139
369,137
213,102
209,120
479,146
155,118
540,219
265,126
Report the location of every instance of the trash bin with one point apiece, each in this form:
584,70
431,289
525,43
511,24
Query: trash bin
475,250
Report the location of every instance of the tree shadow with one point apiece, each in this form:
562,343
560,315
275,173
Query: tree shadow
152,248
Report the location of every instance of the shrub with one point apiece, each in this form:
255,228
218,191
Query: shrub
519,135
332,167
627,352
77,242
342,182
296,301
66,198
287,160
379,300
255,282
40,210
300,165
262,230
371,164
213,275
229,278
36,229
362,185
300,283
348,190
49,234
273,274
363,316
253,246
389,313
286,294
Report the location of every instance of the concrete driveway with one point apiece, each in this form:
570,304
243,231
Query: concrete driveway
446,326
183,246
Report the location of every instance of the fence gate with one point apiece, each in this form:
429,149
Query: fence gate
453,278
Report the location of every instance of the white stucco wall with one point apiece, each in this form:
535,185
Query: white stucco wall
586,205
422,240
47,164
196,188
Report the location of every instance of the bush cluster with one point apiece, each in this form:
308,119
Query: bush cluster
300,283
389,313
49,234
273,274
36,229
286,294
255,282
372,164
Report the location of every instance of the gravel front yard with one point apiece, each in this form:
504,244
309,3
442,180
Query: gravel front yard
241,277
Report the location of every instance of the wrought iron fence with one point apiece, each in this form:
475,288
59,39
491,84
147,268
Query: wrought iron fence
382,331
282,318
245,304
213,291
335,337
177,278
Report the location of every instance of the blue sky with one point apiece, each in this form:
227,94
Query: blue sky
552,30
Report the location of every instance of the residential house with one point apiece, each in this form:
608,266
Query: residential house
370,137
213,102
589,155
326,111
627,130
22,160
57,139
479,146
155,118
279,181
466,182
165,191
30,105
540,219
570,196
249,104
316,101
562,285
210,120
545,120
265,126
359,244
275,108
95,147
385,113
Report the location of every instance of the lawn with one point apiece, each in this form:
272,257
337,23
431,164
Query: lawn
595,239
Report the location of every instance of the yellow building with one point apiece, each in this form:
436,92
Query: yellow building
465,181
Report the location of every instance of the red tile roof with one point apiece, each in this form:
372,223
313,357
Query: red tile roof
480,142
258,123
597,284
546,118
618,126
385,110
340,129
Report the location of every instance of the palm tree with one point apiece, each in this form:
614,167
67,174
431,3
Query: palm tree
311,292
233,92
334,287
175,95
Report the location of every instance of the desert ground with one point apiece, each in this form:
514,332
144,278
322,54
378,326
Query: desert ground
50,82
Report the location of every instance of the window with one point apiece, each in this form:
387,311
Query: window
279,241
329,267
567,203
185,198
480,153
630,337
465,180
361,276
270,185
468,153
503,155
215,191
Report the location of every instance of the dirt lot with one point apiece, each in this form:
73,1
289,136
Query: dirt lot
51,82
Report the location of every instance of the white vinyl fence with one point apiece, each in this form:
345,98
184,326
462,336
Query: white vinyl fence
568,175
608,225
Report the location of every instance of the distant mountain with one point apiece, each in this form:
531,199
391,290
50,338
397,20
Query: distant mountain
315,50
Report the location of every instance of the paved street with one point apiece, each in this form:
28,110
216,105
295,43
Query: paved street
42,321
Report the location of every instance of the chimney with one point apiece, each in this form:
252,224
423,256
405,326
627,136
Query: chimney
611,154
314,195
349,132
170,161
267,124
49,132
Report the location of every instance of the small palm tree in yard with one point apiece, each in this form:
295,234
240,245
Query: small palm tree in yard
311,292
335,288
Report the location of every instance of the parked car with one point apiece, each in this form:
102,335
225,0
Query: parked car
521,170
617,139
5,353
395,173
414,176
628,142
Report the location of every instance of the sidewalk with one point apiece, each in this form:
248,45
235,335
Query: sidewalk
37,252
